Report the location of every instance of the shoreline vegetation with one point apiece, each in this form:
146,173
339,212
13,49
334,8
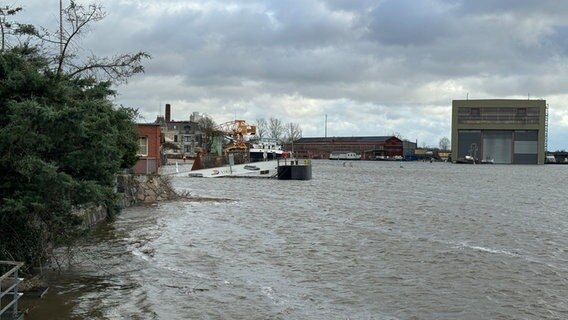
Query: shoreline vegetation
62,139
35,286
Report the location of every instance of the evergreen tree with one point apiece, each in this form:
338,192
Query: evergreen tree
61,144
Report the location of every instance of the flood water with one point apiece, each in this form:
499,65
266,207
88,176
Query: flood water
378,240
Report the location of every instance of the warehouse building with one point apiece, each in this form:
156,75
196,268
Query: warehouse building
499,131
369,147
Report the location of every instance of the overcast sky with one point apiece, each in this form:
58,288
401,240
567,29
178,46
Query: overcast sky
373,67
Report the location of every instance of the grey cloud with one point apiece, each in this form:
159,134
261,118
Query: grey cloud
350,5
407,22
514,7
373,66
298,24
557,40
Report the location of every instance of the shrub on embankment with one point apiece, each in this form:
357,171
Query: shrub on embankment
61,139
61,144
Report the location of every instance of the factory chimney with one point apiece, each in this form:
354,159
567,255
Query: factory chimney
168,112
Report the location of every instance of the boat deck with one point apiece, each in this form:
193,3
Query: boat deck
261,169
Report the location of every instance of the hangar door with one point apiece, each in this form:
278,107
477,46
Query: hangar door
469,143
498,145
526,147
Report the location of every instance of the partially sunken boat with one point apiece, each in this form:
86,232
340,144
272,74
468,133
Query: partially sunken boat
283,169
263,158
262,169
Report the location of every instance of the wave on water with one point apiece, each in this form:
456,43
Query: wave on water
485,249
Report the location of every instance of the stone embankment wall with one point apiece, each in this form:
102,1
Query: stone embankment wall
133,189
145,189
91,214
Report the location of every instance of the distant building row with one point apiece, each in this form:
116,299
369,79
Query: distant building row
502,131
497,131
370,147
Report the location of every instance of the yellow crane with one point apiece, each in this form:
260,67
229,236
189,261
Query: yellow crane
236,131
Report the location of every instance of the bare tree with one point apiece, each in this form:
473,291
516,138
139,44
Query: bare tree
77,20
261,128
207,126
398,135
444,144
275,128
12,28
293,132
5,25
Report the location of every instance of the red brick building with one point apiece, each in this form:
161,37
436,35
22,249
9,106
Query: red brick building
370,148
148,148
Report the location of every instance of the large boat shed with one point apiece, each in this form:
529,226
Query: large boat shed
505,131
369,147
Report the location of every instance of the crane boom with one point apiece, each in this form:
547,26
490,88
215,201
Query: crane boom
236,131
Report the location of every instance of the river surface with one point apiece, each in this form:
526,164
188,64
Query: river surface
378,240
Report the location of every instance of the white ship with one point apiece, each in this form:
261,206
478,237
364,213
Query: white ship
266,149
344,155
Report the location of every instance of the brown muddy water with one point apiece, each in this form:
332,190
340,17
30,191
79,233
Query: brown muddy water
378,240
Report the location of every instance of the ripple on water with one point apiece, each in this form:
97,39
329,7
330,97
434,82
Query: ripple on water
372,241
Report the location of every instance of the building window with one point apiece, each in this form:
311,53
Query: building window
475,112
143,146
521,112
176,138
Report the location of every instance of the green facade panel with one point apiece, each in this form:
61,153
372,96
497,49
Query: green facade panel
506,131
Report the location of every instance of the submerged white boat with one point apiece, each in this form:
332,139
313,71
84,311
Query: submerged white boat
261,169
283,169
344,155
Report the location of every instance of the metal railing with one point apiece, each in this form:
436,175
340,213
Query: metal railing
9,294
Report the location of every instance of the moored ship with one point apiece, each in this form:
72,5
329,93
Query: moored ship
344,155
266,149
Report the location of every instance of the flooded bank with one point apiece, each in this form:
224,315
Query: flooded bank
373,241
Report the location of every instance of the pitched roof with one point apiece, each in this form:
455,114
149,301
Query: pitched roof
366,139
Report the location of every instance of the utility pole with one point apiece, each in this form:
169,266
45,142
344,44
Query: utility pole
61,27
325,126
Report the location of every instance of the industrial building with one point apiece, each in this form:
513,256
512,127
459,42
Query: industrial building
502,131
370,147
185,135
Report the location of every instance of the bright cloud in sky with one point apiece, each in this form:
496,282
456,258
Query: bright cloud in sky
373,67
